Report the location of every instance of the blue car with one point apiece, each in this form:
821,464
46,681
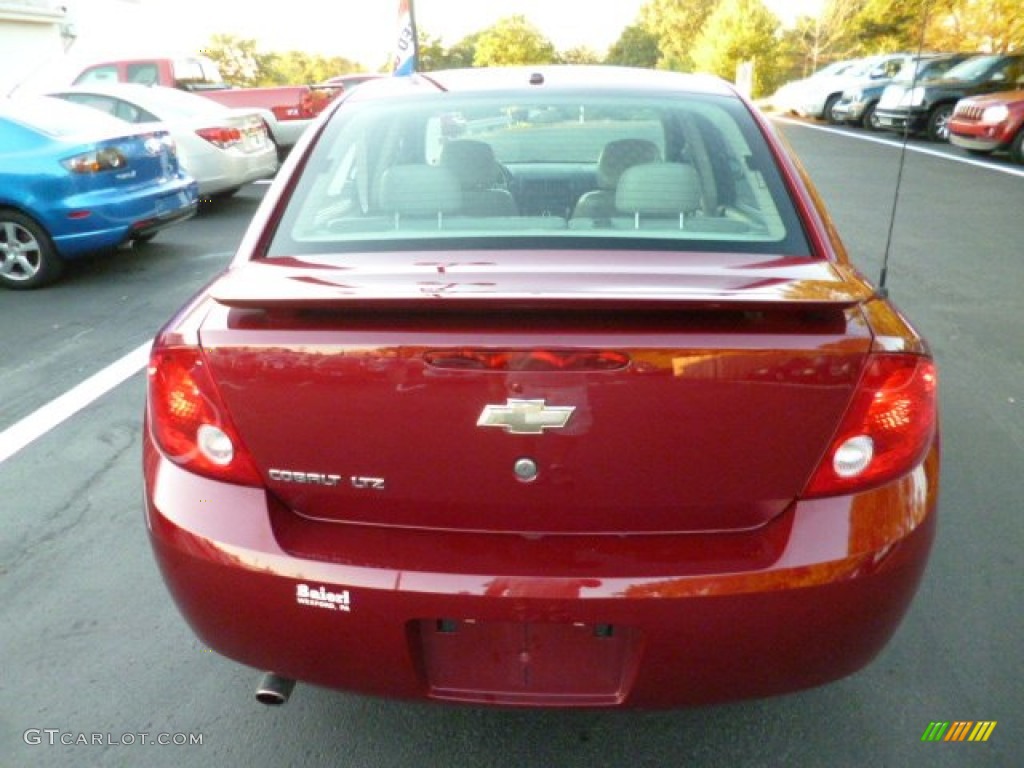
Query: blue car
74,181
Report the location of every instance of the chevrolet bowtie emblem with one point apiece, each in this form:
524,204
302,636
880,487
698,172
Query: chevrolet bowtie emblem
525,417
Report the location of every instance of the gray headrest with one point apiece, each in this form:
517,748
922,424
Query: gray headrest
472,162
621,154
420,190
658,189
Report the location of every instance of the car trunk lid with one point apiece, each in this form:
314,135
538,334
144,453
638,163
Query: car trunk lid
624,399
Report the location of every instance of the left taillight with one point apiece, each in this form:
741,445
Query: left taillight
887,430
107,159
188,419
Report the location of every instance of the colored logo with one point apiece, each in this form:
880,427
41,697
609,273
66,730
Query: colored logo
959,730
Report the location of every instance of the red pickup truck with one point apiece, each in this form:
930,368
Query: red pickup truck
286,109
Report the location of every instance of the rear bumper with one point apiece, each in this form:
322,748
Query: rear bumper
850,111
287,132
112,221
218,170
902,119
558,621
846,111
814,108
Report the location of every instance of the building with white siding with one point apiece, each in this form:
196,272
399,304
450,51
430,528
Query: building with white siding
33,33
45,43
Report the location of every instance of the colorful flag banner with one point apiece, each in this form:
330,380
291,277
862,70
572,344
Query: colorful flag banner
407,51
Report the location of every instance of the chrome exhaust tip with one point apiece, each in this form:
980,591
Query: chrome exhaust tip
274,690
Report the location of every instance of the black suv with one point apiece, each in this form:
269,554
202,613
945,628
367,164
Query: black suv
928,105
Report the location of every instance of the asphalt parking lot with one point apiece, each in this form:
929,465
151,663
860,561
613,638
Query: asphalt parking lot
92,645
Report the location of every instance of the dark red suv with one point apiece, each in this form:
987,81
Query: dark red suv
985,124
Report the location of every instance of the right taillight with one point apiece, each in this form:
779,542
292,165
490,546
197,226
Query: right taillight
887,429
188,420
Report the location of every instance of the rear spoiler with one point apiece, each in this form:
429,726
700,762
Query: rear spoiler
474,284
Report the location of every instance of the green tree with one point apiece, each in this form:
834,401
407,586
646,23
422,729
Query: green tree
512,40
239,62
737,31
952,25
829,35
300,68
636,47
977,25
676,25
891,25
463,53
578,55
434,56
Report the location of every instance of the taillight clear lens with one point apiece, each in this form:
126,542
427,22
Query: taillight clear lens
887,430
189,422
108,159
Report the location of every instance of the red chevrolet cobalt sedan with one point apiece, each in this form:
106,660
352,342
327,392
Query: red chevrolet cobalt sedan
548,387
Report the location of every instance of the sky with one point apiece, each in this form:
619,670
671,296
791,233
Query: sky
357,30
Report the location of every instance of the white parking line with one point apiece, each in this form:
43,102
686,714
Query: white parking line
895,144
38,423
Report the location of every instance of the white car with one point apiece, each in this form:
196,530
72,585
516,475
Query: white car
816,95
222,148
789,98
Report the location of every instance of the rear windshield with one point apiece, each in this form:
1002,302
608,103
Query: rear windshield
172,104
608,170
55,117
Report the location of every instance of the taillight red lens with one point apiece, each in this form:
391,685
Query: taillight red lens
188,419
888,427
221,137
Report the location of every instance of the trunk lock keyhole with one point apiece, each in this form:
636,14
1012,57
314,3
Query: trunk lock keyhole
526,470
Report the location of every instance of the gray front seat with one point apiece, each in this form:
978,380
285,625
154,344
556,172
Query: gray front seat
615,158
479,175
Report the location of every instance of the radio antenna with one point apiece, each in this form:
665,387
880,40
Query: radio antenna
883,290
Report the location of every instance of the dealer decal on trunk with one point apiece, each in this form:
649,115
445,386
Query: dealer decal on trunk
320,597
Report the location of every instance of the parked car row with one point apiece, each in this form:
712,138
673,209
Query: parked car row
287,110
927,106
975,102
90,168
858,104
817,95
222,148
